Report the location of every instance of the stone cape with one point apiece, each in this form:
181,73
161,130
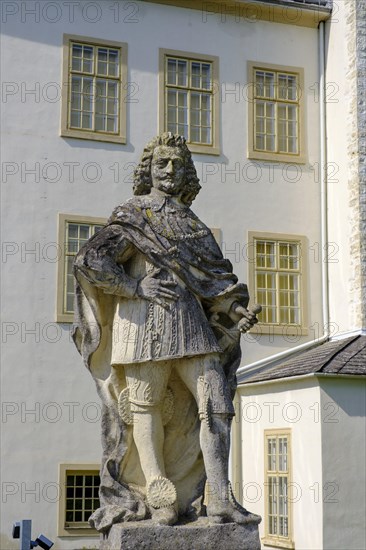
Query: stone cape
196,259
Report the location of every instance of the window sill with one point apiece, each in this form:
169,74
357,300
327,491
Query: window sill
277,157
78,532
203,149
278,543
279,330
93,136
65,318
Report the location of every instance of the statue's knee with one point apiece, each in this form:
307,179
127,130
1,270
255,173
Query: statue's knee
132,403
144,408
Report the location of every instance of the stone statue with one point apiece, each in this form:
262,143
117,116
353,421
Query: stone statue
158,319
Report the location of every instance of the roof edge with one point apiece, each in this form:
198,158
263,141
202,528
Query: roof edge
275,11
310,375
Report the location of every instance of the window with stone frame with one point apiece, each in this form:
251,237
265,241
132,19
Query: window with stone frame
74,231
92,103
277,279
189,99
278,512
276,118
79,484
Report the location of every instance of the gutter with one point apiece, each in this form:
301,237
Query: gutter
252,368
301,377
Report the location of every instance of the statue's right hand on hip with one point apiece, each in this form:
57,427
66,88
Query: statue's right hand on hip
151,288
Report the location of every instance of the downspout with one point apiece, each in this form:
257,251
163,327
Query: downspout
257,365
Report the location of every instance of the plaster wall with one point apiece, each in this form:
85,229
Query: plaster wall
345,70
41,369
343,402
290,404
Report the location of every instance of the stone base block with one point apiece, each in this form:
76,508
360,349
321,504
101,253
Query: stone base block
198,535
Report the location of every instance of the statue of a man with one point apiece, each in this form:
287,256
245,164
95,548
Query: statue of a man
158,320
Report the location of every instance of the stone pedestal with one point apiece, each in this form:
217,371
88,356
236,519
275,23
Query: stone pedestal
198,535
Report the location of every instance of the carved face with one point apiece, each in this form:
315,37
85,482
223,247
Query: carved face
168,170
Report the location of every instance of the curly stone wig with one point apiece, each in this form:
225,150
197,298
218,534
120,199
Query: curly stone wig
142,176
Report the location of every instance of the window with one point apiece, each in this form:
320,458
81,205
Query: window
276,277
93,74
79,484
188,102
277,454
74,231
276,125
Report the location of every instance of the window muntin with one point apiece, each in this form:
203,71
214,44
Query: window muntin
82,497
94,83
76,234
188,99
276,112
278,281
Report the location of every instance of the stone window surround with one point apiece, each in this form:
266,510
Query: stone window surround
67,132
269,539
301,156
213,149
280,329
61,316
75,468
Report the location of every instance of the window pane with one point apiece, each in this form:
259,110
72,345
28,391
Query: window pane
113,62
75,101
70,480
100,123
112,124
270,143
172,98
260,142
113,90
182,99
206,76
287,87
205,135
172,116
88,53
201,75
87,122
172,71
265,254
182,72
69,301
102,61
77,54
265,84
112,107
182,116
182,130
196,74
